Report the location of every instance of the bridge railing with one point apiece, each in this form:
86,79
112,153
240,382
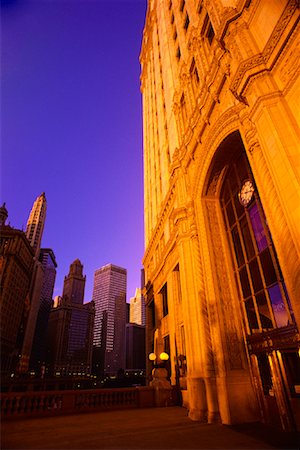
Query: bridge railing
32,404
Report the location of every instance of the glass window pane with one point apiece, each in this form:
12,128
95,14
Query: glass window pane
241,167
226,192
237,246
268,267
255,275
258,229
230,214
233,182
251,314
279,309
247,238
264,311
238,207
245,282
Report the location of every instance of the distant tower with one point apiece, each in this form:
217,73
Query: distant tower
36,222
137,308
3,215
74,283
109,296
71,324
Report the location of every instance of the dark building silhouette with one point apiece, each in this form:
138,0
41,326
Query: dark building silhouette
16,268
70,329
135,346
38,353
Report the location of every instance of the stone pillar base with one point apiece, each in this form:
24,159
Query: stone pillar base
197,399
163,388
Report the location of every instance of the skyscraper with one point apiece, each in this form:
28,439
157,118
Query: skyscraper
34,234
38,353
137,308
74,283
71,323
36,223
109,296
220,86
16,267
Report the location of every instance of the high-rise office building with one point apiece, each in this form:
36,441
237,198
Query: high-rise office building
137,308
16,267
135,347
38,352
36,223
220,86
34,234
70,329
109,296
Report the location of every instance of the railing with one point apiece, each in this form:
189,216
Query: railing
29,404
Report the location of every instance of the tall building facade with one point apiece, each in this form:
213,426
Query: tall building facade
137,313
70,329
38,352
109,296
16,268
36,222
34,233
135,347
220,86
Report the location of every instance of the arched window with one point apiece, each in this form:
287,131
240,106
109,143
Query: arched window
257,271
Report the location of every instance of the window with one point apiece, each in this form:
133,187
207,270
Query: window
164,294
210,33
207,29
183,108
186,22
265,300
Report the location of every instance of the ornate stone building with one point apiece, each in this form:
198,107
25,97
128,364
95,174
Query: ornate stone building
71,327
220,86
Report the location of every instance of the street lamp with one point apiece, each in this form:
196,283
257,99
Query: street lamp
161,360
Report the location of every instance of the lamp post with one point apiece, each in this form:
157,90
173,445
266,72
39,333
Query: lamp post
159,379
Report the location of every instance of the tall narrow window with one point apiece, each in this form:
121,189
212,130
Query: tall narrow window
207,29
186,22
177,282
164,294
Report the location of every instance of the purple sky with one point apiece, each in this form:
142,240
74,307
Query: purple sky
71,119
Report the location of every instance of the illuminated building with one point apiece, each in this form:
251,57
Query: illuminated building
16,266
38,352
70,329
36,222
109,296
220,86
137,312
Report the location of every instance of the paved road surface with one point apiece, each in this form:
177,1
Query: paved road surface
153,428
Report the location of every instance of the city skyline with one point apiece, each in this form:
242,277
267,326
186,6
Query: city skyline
72,128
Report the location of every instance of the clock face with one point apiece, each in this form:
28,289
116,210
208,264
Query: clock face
246,193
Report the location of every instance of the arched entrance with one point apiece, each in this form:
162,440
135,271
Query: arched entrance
240,233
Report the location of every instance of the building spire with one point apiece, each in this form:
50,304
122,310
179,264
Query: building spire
36,223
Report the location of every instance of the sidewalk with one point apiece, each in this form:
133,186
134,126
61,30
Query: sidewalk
153,428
